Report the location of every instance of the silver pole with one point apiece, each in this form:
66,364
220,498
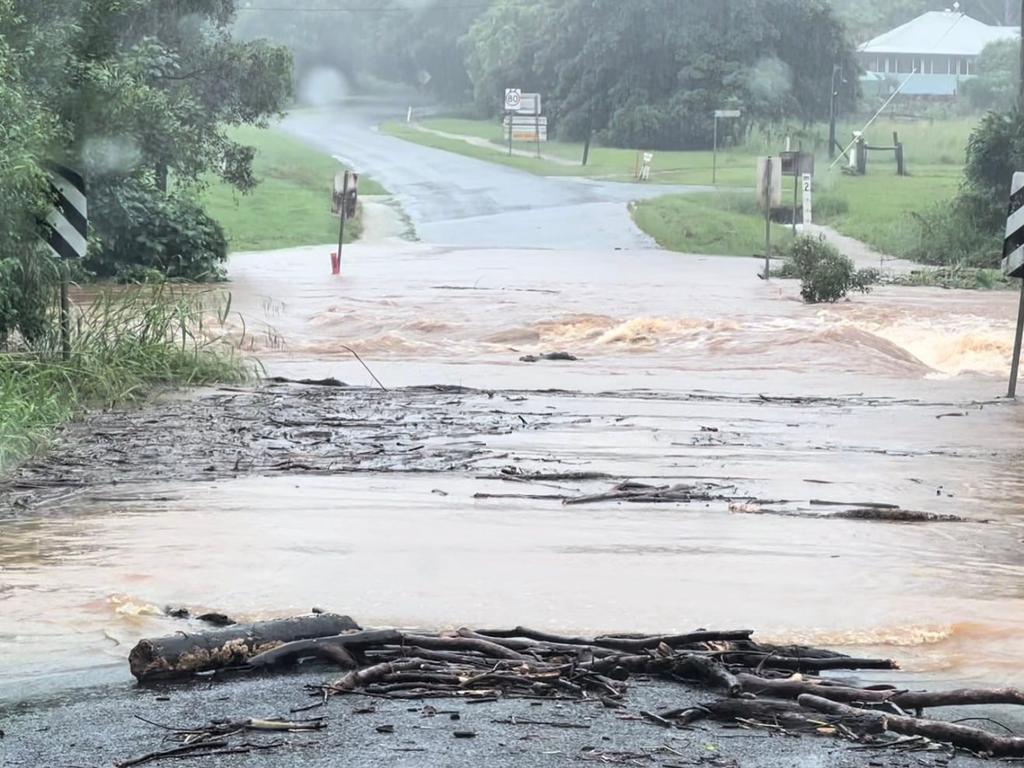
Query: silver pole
1015,364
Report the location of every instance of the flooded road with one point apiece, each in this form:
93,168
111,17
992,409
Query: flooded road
690,370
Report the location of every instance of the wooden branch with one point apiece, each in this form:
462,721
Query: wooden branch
534,634
707,670
804,664
964,736
334,649
791,689
635,645
358,678
461,643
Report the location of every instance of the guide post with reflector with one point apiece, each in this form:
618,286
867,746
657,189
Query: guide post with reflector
65,232
1013,266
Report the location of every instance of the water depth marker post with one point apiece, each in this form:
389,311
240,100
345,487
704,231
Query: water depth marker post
1013,266
66,233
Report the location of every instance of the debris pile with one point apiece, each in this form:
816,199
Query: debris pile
753,684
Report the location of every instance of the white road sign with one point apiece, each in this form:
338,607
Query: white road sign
727,113
513,99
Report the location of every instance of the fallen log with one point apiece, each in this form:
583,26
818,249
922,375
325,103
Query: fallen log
183,655
958,735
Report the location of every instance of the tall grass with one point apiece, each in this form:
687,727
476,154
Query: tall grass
125,344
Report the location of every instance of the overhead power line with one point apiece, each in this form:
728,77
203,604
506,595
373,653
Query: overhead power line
373,9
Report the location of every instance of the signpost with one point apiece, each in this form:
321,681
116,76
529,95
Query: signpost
66,230
769,194
513,101
523,118
720,114
344,203
796,164
1013,266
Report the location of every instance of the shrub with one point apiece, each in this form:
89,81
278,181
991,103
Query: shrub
825,274
951,235
141,231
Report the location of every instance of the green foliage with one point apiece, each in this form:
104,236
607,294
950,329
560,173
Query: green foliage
825,274
26,132
949,235
124,345
997,84
136,94
994,151
142,231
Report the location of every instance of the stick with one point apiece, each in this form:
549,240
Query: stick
634,645
964,736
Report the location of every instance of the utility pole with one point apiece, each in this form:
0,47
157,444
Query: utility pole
832,114
1020,85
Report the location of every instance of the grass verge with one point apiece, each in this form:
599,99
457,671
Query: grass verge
291,205
878,209
717,223
927,143
125,344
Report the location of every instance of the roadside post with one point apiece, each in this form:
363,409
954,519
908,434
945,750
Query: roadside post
1013,266
66,233
769,195
808,185
344,203
513,101
796,164
720,114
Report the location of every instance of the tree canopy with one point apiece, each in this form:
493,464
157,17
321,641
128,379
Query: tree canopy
651,72
139,96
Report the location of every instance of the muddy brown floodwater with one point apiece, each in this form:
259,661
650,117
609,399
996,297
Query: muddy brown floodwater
398,508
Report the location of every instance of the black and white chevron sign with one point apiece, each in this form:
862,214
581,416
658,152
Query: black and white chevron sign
1013,245
66,229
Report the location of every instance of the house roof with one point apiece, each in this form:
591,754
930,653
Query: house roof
940,32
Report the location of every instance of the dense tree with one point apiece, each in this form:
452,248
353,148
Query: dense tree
144,93
998,81
651,72
27,131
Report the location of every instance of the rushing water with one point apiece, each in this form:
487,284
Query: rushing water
916,374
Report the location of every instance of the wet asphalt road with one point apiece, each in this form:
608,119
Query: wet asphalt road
462,201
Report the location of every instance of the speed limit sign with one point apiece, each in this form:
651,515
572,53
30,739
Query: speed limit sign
513,99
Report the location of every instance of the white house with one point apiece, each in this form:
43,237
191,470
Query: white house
932,54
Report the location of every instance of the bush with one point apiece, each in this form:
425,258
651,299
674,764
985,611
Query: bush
27,292
953,235
142,231
825,274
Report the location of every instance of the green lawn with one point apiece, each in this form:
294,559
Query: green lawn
878,208
736,168
716,223
291,206
928,145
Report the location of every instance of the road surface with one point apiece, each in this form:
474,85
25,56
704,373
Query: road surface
462,201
